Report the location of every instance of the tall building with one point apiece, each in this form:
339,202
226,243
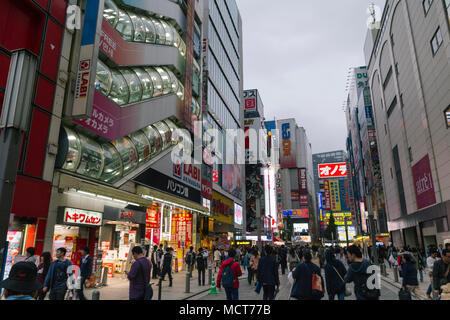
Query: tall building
223,110
363,153
409,75
297,178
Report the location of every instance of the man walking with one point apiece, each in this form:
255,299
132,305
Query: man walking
217,259
156,261
166,265
190,260
441,272
429,270
139,274
56,279
201,267
85,271
228,276
283,259
267,274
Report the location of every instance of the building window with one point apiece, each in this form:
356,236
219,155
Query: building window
388,77
427,5
391,107
447,115
436,41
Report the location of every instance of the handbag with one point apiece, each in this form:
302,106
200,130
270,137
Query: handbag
404,295
291,278
348,291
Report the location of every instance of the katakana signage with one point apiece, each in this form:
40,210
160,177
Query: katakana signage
333,170
182,229
297,213
82,217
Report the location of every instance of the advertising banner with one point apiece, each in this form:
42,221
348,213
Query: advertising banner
222,208
83,217
250,100
238,218
423,183
288,158
344,195
335,196
363,217
333,170
181,231
231,179
297,213
302,181
207,187
326,186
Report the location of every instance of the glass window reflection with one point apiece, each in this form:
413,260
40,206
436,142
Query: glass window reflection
128,154
134,85
157,81
146,83
113,169
139,28
119,89
74,151
168,32
149,30
91,162
142,145
103,78
111,13
167,86
154,138
165,133
125,26
160,32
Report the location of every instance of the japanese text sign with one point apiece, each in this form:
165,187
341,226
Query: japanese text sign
333,170
82,217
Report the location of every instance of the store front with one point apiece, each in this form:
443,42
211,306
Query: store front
222,209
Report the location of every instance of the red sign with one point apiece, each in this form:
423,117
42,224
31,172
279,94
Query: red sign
303,199
326,187
423,183
297,213
182,229
302,184
250,104
152,218
333,170
215,176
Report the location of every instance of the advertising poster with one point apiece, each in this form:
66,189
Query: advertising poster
335,196
238,219
344,195
363,217
333,170
326,186
222,208
231,179
423,183
14,238
181,231
288,158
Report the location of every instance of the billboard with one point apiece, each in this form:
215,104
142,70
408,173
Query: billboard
363,217
351,233
231,179
297,213
326,186
344,195
238,218
335,196
288,158
423,183
333,170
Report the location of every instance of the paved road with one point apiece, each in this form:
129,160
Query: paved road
246,291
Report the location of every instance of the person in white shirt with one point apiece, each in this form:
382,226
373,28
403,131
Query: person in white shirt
430,263
217,259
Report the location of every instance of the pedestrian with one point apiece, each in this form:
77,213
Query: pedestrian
190,260
139,274
267,274
283,259
441,272
217,259
409,274
31,257
238,254
201,267
247,258
59,272
358,273
418,262
22,283
440,249
304,275
42,271
254,265
292,259
228,276
166,265
321,257
334,276
156,261
85,270
429,270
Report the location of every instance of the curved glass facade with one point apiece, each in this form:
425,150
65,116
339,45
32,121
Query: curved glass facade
139,28
109,162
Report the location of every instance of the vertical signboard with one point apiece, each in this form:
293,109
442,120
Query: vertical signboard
303,187
423,183
189,68
181,232
326,186
335,196
87,63
344,196
288,157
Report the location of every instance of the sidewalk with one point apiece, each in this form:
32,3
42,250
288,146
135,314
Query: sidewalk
117,288
423,286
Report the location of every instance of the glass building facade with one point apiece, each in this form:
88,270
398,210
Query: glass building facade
111,161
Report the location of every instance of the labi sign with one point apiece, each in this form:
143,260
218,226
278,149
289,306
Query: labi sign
423,183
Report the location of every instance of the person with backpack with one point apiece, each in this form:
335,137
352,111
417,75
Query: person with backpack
156,261
409,274
56,279
190,260
357,272
85,271
308,282
228,276
267,274
334,276
202,264
166,265
139,275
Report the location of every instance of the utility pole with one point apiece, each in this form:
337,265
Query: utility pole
14,122
346,231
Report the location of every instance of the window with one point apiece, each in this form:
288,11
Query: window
112,170
388,77
427,5
436,41
391,107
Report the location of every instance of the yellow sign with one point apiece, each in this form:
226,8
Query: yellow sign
222,208
335,196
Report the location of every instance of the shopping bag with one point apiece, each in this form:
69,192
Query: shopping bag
404,295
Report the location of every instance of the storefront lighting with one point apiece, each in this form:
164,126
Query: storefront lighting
134,204
86,193
104,198
120,201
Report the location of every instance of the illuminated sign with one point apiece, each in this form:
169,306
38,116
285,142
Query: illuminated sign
297,213
286,139
333,170
238,219
83,217
288,158
207,204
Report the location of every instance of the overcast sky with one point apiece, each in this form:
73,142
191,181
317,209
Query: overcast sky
297,53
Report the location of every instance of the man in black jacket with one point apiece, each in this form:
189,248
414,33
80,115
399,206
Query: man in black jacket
283,258
85,270
267,274
201,267
441,272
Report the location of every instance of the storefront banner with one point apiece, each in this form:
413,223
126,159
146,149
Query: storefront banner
250,100
152,219
423,183
319,200
82,217
182,229
288,158
302,181
222,208
335,196
207,187
344,195
123,214
326,186
333,170
297,213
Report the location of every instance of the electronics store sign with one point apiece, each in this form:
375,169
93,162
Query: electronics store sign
82,217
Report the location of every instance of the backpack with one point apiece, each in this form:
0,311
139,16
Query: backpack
317,291
167,260
369,294
200,261
227,277
189,258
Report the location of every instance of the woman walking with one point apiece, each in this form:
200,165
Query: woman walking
292,259
334,276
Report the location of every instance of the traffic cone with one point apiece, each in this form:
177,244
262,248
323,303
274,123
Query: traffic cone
213,285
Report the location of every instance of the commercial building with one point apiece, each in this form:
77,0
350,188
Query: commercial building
363,154
409,76
297,177
222,102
